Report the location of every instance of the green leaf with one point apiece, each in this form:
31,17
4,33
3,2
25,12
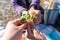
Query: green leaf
23,19
33,16
27,16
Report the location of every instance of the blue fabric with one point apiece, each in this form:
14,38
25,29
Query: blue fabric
53,15
49,31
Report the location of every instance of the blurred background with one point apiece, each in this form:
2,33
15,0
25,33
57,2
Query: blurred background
6,12
51,20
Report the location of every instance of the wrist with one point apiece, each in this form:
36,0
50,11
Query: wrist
32,8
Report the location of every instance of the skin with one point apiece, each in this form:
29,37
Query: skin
37,19
33,33
14,29
32,11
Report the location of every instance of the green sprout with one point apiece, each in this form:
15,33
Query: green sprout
23,19
33,16
26,16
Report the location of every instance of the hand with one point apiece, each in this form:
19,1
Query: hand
14,30
34,34
37,19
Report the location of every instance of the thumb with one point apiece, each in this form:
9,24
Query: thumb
23,26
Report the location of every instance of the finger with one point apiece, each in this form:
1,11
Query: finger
17,22
31,12
23,26
29,30
18,19
32,25
37,11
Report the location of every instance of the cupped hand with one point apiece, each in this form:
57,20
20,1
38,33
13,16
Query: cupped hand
14,30
37,19
33,33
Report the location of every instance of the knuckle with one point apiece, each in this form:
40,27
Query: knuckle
37,11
